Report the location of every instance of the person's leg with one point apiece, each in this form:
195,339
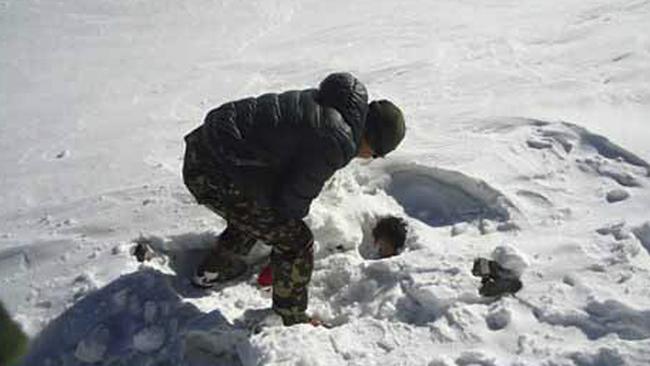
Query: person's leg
292,262
292,258
224,262
212,188
292,240
234,240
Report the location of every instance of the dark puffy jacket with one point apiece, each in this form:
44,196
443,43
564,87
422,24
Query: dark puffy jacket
281,148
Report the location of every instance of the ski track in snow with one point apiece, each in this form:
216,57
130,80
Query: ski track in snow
94,167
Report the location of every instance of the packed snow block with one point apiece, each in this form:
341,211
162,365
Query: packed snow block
440,197
617,195
643,234
510,258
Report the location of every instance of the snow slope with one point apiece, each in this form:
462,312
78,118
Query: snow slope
527,142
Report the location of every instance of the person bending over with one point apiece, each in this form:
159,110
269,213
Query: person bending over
260,162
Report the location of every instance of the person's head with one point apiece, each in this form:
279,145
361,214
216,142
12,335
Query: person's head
384,130
389,236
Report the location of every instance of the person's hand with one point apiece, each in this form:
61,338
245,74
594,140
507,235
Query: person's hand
319,323
316,322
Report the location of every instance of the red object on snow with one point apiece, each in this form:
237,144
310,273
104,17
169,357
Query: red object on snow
265,278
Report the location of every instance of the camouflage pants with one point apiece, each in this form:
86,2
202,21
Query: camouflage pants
292,240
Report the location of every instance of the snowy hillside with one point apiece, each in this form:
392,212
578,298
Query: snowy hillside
527,142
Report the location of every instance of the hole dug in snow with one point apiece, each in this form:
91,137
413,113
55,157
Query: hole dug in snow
367,248
440,197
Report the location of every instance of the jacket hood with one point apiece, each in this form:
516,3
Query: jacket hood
348,96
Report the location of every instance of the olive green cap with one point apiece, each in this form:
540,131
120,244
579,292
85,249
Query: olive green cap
385,126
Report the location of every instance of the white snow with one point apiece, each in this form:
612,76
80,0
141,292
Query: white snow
527,142
510,258
93,347
149,339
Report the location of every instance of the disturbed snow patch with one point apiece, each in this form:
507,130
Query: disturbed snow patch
599,319
600,156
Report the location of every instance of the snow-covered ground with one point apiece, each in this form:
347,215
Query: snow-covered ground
527,141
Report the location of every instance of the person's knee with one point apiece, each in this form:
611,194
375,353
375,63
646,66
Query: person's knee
305,235
303,244
297,241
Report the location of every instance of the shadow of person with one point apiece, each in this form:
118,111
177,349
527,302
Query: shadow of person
138,319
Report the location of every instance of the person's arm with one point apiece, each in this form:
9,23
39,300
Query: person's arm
315,164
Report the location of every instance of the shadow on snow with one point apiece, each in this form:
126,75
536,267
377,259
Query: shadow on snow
135,320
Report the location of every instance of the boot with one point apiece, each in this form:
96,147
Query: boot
218,267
